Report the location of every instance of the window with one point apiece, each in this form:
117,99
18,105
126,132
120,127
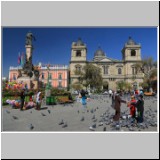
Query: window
14,77
60,76
133,71
105,69
60,84
119,71
133,53
78,69
78,54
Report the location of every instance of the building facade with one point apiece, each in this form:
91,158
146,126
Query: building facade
58,75
113,70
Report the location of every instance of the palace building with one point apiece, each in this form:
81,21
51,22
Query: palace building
58,75
113,70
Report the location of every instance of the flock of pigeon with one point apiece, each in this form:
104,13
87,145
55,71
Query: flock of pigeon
105,122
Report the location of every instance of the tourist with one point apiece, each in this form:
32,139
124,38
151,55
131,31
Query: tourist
113,98
110,93
132,107
22,97
117,107
38,100
30,104
140,109
83,94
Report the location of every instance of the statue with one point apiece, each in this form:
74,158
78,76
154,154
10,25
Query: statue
29,38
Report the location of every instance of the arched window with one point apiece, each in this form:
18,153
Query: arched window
78,53
78,68
119,71
133,53
105,69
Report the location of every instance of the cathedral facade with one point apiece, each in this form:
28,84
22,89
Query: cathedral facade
113,70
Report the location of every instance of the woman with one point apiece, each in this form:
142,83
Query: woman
38,100
83,94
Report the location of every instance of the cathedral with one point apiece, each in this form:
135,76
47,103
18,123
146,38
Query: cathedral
113,70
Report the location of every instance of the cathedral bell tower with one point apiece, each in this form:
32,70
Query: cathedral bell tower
131,51
78,51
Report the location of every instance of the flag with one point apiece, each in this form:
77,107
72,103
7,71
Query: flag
19,58
22,59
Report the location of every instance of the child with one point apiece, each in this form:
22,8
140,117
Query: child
132,104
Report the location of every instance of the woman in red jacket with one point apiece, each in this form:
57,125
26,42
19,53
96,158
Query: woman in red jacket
132,105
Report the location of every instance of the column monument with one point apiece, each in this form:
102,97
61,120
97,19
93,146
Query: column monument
29,74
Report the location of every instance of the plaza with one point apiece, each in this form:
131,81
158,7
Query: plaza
99,105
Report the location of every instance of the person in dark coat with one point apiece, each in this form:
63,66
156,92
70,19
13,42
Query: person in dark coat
22,97
140,108
117,107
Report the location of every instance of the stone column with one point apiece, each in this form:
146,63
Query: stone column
29,49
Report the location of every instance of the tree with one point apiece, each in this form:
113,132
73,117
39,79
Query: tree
76,86
91,76
121,85
149,68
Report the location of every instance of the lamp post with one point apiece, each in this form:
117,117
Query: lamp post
48,86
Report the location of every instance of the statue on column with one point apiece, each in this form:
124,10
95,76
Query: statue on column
29,38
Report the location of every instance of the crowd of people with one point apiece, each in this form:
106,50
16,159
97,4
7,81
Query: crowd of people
23,104
135,104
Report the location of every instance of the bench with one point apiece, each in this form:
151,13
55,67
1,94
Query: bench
63,100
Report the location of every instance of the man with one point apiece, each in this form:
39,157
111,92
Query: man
118,101
140,108
22,97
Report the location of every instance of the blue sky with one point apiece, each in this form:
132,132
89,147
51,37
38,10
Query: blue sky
53,45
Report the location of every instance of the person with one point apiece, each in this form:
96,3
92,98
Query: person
22,97
30,104
132,107
83,94
38,100
117,107
110,93
113,98
140,109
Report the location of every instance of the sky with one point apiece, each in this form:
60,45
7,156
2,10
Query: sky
53,45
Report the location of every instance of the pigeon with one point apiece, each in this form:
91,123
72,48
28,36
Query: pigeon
97,108
92,111
65,125
7,111
43,114
100,124
82,119
91,128
78,111
94,125
62,122
93,117
14,117
49,111
87,111
30,111
31,127
95,120
104,129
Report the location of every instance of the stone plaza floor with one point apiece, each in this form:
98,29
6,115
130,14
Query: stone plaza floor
99,113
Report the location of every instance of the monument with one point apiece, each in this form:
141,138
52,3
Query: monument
29,74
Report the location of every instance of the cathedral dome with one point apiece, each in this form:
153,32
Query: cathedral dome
99,53
131,41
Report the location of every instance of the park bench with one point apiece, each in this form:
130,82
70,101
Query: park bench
63,100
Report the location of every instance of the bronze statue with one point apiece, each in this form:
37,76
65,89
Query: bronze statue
29,38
